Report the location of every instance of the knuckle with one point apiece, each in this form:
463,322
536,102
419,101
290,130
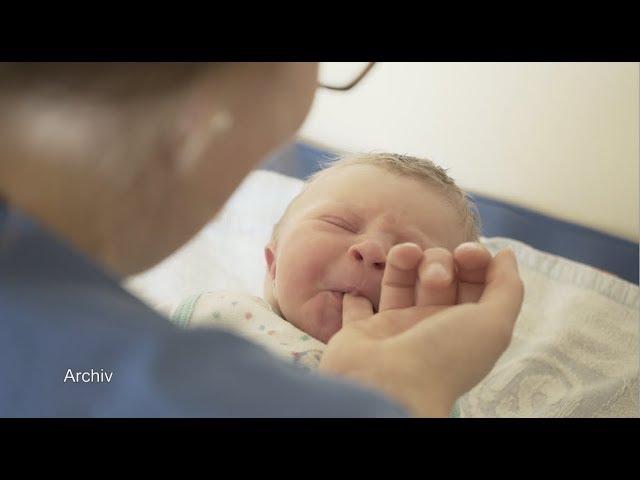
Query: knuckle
437,252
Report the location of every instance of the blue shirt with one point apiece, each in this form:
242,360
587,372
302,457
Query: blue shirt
66,327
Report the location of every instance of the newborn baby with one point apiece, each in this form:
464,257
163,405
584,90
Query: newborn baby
363,217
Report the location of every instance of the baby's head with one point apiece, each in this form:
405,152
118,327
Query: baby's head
335,235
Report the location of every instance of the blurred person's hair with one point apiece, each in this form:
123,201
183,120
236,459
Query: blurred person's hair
110,80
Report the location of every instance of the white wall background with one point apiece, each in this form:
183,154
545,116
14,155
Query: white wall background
561,138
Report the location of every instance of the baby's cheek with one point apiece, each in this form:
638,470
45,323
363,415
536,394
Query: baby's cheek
304,268
304,272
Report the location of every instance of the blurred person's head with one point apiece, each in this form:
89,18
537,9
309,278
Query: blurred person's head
127,161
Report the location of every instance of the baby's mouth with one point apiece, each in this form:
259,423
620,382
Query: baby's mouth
339,294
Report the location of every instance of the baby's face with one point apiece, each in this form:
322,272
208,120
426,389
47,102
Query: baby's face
336,237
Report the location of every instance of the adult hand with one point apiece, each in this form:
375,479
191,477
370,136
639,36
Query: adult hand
427,353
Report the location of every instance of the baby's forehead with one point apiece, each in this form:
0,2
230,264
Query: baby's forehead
366,185
411,208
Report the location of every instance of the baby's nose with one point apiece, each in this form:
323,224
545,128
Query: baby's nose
370,252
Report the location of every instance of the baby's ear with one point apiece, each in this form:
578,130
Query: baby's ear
270,257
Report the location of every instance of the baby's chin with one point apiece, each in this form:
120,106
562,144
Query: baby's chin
320,316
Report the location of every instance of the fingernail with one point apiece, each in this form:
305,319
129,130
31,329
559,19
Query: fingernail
436,271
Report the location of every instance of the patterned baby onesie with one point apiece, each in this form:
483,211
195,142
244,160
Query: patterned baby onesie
252,318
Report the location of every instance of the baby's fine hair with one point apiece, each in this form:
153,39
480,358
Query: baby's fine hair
421,169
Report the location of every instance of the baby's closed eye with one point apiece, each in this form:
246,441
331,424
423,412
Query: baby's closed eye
340,223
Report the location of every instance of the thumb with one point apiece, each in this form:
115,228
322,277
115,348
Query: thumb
504,291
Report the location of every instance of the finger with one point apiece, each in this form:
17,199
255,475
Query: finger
496,310
469,292
355,308
399,279
472,260
436,278
504,290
